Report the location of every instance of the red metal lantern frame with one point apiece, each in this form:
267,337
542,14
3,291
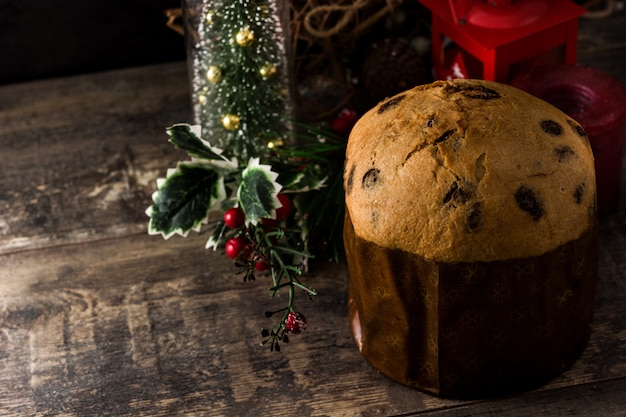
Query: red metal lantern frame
501,34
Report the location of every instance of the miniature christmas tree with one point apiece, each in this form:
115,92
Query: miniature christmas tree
240,83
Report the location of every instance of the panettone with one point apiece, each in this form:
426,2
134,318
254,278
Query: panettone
471,238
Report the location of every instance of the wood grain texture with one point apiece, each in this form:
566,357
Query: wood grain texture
98,318
137,326
80,155
588,400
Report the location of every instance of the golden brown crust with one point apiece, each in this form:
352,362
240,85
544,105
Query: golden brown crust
469,170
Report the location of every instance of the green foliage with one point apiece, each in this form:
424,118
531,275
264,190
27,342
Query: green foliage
224,170
183,137
257,191
184,199
316,159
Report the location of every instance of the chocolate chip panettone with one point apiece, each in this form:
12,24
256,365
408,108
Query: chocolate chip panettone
471,238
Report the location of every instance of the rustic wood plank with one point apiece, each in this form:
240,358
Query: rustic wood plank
135,325
588,400
117,327
80,155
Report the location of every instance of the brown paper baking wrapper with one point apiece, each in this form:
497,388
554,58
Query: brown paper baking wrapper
469,330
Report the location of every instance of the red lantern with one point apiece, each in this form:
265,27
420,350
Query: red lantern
495,39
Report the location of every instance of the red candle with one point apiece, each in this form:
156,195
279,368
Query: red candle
595,100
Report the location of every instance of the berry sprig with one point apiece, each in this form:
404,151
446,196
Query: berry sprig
265,247
275,214
293,322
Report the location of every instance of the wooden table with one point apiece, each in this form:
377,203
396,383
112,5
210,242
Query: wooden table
98,318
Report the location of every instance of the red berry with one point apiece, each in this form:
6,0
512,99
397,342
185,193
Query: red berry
340,126
268,224
235,246
285,209
348,115
261,266
234,217
344,122
296,323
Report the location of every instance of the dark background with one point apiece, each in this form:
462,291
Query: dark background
51,38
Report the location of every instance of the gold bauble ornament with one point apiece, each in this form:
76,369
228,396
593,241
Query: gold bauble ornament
210,15
245,37
203,96
214,74
231,122
268,70
264,10
276,143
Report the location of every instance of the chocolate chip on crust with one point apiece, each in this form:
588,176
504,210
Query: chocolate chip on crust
371,178
579,192
473,217
473,91
390,104
450,193
528,201
551,127
563,153
445,136
458,194
577,128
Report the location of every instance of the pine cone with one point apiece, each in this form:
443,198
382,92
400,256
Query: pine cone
390,67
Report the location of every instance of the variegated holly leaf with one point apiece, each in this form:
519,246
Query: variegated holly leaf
299,182
299,178
217,237
257,191
183,199
188,138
